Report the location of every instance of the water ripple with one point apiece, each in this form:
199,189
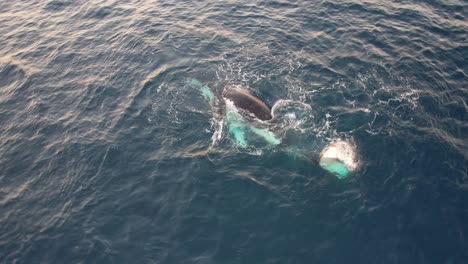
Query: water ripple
106,152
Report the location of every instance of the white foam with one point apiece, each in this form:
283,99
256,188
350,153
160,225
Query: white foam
218,133
285,103
344,152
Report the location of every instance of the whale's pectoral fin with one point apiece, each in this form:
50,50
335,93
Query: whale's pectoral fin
236,128
205,90
267,135
239,135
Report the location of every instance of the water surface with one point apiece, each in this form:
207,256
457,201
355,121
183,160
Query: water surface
107,156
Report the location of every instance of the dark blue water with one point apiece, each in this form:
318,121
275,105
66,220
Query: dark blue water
106,154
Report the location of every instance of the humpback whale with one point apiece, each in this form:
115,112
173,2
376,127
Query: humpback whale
338,158
244,100
240,121
237,121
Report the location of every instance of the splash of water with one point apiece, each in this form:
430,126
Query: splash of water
339,158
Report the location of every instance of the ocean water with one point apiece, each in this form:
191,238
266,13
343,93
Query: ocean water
110,154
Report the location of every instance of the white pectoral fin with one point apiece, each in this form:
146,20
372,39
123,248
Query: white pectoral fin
267,135
205,90
239,135
236,127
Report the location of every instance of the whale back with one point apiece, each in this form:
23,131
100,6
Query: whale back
244,100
